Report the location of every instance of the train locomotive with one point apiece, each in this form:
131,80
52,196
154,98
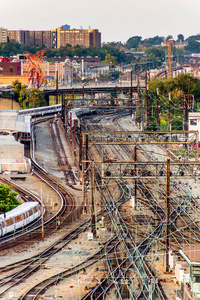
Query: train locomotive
19,217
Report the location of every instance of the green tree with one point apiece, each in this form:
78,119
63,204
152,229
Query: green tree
36,98
16,86
169,37
155,41
133,42
182,84
193,38
180,37
110,60
24,97
8,200
193,46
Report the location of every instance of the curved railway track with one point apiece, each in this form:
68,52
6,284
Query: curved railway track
128,272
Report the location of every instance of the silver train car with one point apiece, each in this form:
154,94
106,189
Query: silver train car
40,111
19,217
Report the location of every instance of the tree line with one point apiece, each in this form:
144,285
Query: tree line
151,46
183,84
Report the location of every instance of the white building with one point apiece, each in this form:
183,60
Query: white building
12,155
11,151
194,122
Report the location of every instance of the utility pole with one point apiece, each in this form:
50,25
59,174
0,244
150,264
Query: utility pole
170,126
131,86
158,110
146,99
74,140
135,192
62,110
186,113
80,146
83,92
93,225
65,114
186,121
56,87
84,187
86,172
42,211
138,84
70,128
168,214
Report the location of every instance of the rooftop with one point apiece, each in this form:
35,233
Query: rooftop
10,121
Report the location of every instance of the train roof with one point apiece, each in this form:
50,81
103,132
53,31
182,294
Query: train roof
38,110
11,121
21,208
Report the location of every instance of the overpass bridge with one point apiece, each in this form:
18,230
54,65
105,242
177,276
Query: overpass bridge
90,91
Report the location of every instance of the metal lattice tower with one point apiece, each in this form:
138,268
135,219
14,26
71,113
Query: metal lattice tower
170,43
35,68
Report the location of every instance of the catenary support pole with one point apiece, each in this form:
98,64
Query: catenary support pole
93,219
167,215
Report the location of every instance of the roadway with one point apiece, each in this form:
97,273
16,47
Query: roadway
90,89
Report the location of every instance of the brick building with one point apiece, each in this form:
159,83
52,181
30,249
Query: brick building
56,38
82,37
8,68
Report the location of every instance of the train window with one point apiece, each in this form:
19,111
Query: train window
35,209
9,222
30,212
3,224
18,218
24,216
25,136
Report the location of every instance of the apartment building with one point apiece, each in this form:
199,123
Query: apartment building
55,38
40,38
82,37
3,35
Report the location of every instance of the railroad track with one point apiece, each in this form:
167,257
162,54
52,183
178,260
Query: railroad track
34,263
132,268
40,288
27,267
177,214
61,154
66,214
143,270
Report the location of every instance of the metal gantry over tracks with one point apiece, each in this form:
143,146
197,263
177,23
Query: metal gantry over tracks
186,138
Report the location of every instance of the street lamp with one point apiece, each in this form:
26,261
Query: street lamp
12,94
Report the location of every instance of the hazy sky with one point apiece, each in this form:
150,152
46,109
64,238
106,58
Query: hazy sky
116,20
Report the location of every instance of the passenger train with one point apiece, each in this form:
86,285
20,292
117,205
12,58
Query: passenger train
19,217
40,111
54,109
